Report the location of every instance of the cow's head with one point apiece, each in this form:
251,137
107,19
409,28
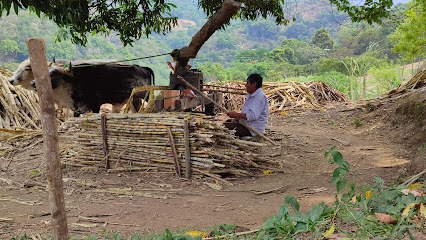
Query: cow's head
57,77
23,75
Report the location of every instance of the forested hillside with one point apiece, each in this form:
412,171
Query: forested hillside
318,40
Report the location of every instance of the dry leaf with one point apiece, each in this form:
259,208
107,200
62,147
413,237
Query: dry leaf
407,191
415,186
386,218
407,209
422,210
196,233
329,231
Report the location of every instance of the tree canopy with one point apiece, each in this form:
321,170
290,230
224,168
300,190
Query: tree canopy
132,20
410,36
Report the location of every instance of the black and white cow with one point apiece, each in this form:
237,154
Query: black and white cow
91,83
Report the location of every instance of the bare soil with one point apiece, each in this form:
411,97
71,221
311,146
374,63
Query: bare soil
384,141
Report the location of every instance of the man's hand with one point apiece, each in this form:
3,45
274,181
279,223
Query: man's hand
236,115
232,114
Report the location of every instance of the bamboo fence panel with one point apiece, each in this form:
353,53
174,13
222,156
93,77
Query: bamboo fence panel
139,142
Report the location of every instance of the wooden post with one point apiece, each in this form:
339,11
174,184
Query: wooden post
105,141
37,52
188,172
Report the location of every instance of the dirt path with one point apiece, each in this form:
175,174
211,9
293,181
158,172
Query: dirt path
172,203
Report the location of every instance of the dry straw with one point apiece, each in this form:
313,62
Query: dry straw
19,107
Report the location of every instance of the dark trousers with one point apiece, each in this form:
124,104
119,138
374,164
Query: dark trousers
241,131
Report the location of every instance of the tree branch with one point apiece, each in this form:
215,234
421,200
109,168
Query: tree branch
229,8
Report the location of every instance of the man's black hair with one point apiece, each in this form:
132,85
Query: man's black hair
255,78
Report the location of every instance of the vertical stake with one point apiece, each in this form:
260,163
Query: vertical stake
187,149
105,140
173,147
37,52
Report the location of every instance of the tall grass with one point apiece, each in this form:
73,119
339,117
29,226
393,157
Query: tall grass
385,79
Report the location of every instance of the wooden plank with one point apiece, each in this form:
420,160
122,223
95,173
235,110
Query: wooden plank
37,52
170,96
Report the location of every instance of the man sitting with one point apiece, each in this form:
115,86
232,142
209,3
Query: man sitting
255,111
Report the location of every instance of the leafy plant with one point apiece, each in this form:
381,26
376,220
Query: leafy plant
223,229
357,123
339,173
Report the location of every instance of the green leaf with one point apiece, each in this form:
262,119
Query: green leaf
35,171
335,180
118,236
379,180
341,184
15,7
283,210
300,217
315,212
292,201
337,156
336,173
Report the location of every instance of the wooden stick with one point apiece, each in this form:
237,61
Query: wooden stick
37,52
224,109
105,141
187,149
213,176
172,146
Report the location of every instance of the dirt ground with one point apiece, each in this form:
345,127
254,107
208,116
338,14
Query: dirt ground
381,141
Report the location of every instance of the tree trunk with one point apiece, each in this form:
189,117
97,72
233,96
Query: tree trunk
36,50
229,8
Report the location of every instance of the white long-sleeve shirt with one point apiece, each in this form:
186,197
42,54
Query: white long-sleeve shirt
256,109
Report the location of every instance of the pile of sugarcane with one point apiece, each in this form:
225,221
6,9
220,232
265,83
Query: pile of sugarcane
19,107
140,142
324,93
280,94
417,81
